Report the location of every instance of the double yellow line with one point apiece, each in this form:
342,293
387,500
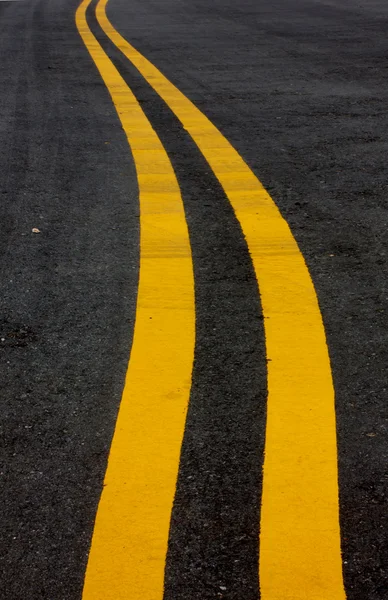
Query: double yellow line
300,556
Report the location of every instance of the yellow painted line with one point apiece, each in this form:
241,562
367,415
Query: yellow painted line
300,556
129,544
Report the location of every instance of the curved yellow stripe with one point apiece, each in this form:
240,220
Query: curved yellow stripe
130,537
300,556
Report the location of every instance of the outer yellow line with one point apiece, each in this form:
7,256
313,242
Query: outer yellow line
300,556
129,544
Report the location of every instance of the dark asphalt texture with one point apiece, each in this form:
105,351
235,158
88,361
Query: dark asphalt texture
300,88
67,296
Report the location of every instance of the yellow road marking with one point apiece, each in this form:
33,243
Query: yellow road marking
300,555
129,544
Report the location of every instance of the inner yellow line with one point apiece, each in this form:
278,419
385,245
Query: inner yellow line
300,554
129,544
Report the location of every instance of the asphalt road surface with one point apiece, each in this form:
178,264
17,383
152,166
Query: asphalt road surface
300,90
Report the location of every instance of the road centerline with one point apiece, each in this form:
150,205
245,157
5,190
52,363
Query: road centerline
300,554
